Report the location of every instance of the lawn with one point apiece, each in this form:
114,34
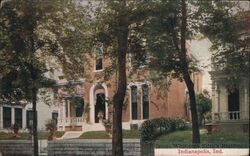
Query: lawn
127,134
26,136
223,140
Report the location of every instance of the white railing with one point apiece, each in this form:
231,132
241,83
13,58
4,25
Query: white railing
229,116
73,121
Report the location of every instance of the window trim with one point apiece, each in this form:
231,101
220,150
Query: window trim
132,102
139,89
102,58
142,104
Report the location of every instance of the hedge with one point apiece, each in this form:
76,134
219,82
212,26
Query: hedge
153,128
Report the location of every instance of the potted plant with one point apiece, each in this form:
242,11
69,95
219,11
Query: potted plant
100,116
51,127
108,126
16,130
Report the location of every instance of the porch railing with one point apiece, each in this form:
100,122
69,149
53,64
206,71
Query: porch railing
72,121
229,116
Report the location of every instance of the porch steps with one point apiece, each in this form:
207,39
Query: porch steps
72,134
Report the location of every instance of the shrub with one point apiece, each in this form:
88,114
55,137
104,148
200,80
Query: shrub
151,129
134,126
51,125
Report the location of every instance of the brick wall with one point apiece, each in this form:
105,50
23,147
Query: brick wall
16,147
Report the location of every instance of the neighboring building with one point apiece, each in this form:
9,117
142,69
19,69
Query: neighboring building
22,115
230,109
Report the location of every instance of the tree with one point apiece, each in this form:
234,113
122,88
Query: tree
166,32
227,27
204,106
35,35
115,25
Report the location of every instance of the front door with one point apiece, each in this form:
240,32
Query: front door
100,109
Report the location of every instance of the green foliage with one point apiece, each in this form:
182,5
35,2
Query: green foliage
182,139
204,106
127,134
151,129
51,125
39,37
134,127
27,136
107,123
227,27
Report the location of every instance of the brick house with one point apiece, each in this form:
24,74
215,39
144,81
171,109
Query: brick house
84,108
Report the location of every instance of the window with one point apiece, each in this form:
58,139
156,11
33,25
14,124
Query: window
99,58
29,118
55,117
134,102
145,101
79,105
19,117
6,117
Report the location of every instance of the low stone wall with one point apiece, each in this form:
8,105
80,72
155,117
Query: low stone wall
16,147
97,147
76,147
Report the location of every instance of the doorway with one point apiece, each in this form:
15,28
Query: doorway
100,108
234,104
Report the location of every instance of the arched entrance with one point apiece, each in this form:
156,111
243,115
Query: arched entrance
98,104
100,110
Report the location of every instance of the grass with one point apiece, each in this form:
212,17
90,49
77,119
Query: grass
127,134
26,136
183,138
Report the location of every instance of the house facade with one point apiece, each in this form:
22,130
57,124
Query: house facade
144,99
21,114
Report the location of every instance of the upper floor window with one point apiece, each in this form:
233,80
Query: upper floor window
99,58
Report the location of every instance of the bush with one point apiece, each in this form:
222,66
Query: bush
51,125
134,126
151,129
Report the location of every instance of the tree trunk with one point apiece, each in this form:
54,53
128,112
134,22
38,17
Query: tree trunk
122,38
186,75
35,138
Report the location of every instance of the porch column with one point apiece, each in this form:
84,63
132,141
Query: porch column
24,118
217,101
246,103
218,98
63,115
1,117
12,115
68,103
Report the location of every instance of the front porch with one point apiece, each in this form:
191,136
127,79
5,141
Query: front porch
70,124
231,116
230,106
234,121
